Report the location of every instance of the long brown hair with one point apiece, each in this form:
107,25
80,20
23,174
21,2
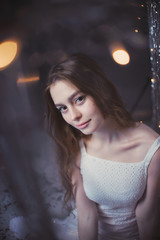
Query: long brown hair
89,78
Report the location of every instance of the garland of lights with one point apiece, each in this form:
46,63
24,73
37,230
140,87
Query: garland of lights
154,39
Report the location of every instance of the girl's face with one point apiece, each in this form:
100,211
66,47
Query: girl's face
77,109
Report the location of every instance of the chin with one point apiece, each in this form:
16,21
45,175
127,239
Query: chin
86,134
86,131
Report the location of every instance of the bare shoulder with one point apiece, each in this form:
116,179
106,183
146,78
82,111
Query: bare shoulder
145,132
141,137
147,137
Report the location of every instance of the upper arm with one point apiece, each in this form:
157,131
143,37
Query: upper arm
86,209
147,207
152,191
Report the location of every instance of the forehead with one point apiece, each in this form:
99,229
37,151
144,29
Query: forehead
61,90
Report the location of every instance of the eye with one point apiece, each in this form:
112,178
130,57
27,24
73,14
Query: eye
62,109
80,99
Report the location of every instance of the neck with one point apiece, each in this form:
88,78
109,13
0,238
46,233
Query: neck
107,133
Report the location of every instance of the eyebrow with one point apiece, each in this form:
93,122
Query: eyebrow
70,98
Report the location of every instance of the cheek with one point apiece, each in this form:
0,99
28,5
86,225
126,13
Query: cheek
93,109
96,112
66,118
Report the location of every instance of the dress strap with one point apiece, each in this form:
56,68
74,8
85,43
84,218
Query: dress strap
152,150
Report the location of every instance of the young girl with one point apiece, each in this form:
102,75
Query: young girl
109,163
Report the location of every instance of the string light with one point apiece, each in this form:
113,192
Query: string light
153,80
154,31
136,30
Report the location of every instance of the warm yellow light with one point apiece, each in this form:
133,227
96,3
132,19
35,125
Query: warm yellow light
121,56
139,18
153,80
8,51
28,79
136,30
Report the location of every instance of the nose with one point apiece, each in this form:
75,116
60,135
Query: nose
75,114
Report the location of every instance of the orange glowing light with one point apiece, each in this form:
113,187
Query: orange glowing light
28,79
153,80
8,52
121,56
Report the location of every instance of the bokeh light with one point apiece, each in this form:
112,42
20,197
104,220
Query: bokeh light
25,79
121,56
8,52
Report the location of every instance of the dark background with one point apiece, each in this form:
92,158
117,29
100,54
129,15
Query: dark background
48,31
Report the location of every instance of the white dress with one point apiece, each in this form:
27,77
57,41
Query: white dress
116,187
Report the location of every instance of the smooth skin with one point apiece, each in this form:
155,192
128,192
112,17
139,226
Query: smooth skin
103,139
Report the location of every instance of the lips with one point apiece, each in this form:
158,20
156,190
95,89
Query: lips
83,125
